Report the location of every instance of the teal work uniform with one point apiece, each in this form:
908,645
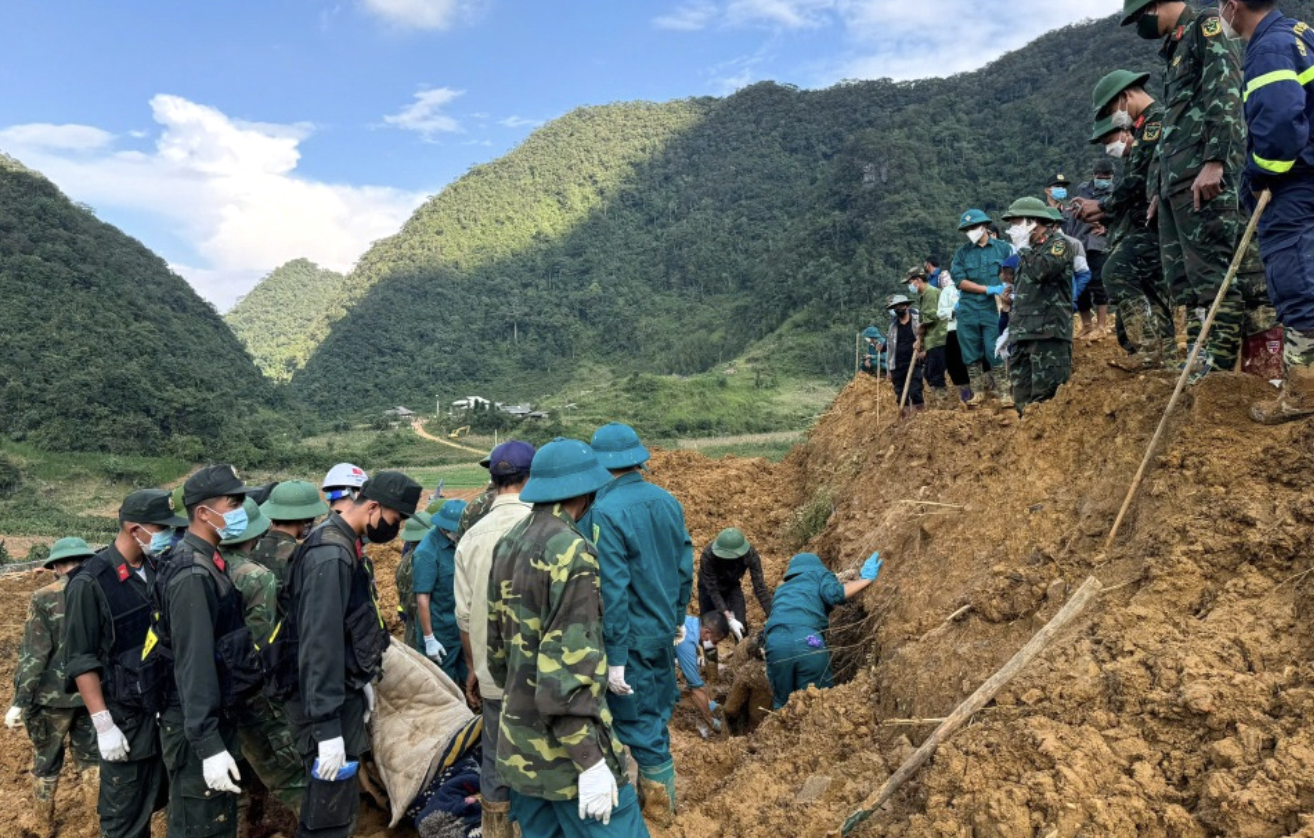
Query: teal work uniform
796,653
978,314
646,556
434,573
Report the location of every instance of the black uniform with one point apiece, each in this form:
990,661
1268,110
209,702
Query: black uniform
108,614
719,583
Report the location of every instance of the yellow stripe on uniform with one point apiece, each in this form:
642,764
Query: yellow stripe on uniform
1306,77
1277,167
1270,78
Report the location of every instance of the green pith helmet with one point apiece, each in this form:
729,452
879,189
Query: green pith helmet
416,528
730,544
1103,128
971,218
256,524
67,549
178,504
1055,214
897,300
294,500
1130,8
1028,207
1108,88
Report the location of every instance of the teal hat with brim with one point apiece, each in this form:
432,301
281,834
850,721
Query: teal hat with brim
1102,129
256,525
448,516
564,469
66,550
294,500
971,218
617,446
416,528
871,332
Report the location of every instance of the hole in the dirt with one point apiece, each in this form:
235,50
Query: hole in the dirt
850,640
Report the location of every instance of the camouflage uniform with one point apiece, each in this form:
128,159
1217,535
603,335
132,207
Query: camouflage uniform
273,551
1040,356
1204,123
262,727
476,510
49,713
1133,274
545,651
405,581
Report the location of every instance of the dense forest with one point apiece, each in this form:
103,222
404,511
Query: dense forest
672,237
102,347
277,320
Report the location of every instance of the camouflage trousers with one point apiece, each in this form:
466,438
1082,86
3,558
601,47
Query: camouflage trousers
48,727
1037,368
1134,279
1197,250
269,747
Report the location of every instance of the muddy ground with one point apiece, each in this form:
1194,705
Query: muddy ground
1178,705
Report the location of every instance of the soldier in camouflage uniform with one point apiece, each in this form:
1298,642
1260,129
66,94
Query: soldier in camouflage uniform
291,509
412,533
1040,326
556,751
476,510
1129,124
1194,177
262,728
48,712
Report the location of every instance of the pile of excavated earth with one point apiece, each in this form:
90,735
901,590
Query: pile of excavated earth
1177,704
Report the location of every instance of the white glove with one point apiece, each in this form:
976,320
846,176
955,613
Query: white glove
736,627
220,773
369,702
598,794
14,717
680,634
111,741
616,681
434,649
332,757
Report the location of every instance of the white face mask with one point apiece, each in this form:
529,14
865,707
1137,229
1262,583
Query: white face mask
1228,32
1121,119
1021,234
974,235
1115,149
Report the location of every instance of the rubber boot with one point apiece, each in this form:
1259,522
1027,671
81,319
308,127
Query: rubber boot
937,398
978,385
1135,319
657,784
43,798
1296,399
1006,393
496,818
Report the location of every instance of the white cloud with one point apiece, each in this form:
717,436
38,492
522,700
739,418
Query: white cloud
63,137
228,189
689,17
420,14
519,122
785,14
424,115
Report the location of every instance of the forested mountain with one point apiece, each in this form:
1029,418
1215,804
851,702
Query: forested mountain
277,320
102,347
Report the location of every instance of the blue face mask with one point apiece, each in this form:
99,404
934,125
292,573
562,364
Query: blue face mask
1103,183
234,523
1058,193
161,542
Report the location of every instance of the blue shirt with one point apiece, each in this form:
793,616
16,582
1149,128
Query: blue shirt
434,570
979,264
687,652
806,597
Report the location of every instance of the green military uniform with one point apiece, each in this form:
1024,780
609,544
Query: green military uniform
1040,350
1204,123
273,551
475,511
290,502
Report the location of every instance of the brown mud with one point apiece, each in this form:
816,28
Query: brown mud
1178,705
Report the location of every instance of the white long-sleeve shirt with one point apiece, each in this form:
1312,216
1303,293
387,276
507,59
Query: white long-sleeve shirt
948,299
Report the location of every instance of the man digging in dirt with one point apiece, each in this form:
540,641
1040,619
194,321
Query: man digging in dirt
721,570
40,702
705,632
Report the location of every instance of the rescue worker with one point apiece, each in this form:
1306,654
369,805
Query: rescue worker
262,727
796,653
412,533
700,632
291,510
647,577
932,334
478,507
434,563
342,485
1094,240
903,353
556,751
329,646
509,465
1194,182
873,360
721,569
1129,126
41,703
199,623
1280,158
975,268
1040,323
108,616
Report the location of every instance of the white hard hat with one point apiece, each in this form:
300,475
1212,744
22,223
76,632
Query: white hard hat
345,474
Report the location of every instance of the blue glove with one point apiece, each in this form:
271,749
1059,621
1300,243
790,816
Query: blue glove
871,567
995,289
712,705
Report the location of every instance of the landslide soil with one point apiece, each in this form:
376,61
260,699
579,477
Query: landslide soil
1177,705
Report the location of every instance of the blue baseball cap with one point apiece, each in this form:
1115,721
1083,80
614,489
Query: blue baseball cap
511,457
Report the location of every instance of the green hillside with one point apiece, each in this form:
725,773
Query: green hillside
102,347
277,320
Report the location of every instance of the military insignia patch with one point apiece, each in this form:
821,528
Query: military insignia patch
1211,27
1152,131
1057,248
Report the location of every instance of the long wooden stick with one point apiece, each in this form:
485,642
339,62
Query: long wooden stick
907,380
1074,606
1190,363
857,355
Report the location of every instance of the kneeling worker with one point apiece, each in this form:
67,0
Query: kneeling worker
705,631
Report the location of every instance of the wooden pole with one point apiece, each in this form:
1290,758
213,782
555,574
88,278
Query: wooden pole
1232,269
857,355
1074,606
907,380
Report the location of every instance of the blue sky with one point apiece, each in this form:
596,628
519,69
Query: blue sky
230,137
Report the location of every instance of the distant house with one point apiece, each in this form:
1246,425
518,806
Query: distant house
399,412
538,414
520,411
471,403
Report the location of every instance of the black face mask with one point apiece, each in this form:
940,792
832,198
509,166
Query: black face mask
383,533
1148,27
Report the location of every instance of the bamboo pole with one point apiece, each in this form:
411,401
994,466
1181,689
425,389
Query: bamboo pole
857,354
1037,644
907,380
1232,269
